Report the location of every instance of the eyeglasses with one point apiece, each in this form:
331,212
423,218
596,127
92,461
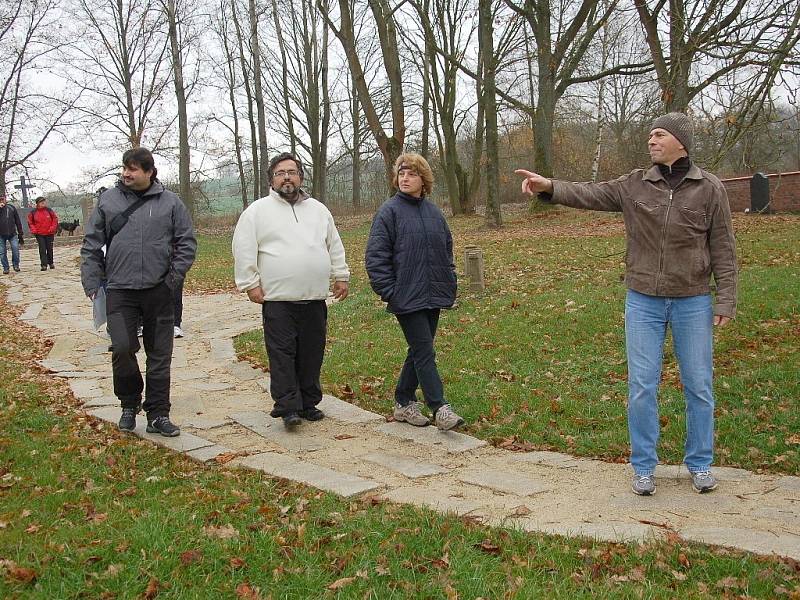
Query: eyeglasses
282,174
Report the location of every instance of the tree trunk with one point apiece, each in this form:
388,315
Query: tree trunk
486,33
184,175
263,151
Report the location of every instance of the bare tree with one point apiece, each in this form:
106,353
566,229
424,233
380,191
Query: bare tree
489,64
301,89
121,60
390,146
29,115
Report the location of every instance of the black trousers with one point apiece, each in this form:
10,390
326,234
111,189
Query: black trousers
294,334
124,308
45,249
419,368
178,298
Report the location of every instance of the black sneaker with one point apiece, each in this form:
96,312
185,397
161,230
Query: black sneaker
163,426
44,269
52,266
291,420
5,271
16,269
311,414
127,422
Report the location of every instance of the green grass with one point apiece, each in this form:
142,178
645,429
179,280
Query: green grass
87,512
538,360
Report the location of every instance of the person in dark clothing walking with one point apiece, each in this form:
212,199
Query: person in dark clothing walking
10,233
150,246
43,223
409,261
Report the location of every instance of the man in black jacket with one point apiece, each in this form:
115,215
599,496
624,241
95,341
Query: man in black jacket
10,232
146,256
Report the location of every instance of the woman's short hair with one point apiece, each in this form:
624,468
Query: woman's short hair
415,162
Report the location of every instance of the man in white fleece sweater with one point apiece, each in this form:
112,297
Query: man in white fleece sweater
286,250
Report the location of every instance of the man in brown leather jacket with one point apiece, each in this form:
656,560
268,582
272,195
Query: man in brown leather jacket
678,234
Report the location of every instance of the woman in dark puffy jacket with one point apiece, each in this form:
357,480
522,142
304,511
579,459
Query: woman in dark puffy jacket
409,261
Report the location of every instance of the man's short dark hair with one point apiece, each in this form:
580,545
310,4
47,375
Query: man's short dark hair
141,157
280,158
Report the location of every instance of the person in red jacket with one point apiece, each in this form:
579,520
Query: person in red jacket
43,223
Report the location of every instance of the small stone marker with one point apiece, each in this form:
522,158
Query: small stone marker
473,268
308,473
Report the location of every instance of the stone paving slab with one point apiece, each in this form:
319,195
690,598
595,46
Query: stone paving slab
85,388
287,467
759,542
31,312
64,348
272,429
550,459
607,532
200,422
243,371
222,349
185,442
508,483
404,465
213,386
84,374
790,518
15,297
56,364
346,412
264,383
789,482
101,401
208,453
188,374
451,441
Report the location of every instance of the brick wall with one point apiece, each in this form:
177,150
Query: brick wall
784,192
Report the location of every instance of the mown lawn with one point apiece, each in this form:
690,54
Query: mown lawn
87,512
537,360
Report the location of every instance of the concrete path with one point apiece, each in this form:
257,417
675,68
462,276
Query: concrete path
222,407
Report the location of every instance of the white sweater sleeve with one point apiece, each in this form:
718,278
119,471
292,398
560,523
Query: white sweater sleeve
339,267
245,251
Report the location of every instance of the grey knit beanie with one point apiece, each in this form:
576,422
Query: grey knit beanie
679,125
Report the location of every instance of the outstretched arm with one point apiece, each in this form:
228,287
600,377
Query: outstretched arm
534,183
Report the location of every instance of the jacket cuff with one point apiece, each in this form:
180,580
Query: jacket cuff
725,310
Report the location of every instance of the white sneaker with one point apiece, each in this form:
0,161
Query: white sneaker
411,414
446,419
177,332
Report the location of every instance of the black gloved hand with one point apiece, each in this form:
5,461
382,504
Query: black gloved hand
21,241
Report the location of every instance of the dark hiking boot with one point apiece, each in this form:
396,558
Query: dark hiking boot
311,414
127,422
163,426
291,420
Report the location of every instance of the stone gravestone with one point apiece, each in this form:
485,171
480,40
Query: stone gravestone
473,267
759,194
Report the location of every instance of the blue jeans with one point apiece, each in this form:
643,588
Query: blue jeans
14,251
691,322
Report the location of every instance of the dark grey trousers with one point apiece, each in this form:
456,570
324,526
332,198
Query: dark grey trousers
419,368
155,307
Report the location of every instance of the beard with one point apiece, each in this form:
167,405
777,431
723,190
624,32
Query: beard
288,191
